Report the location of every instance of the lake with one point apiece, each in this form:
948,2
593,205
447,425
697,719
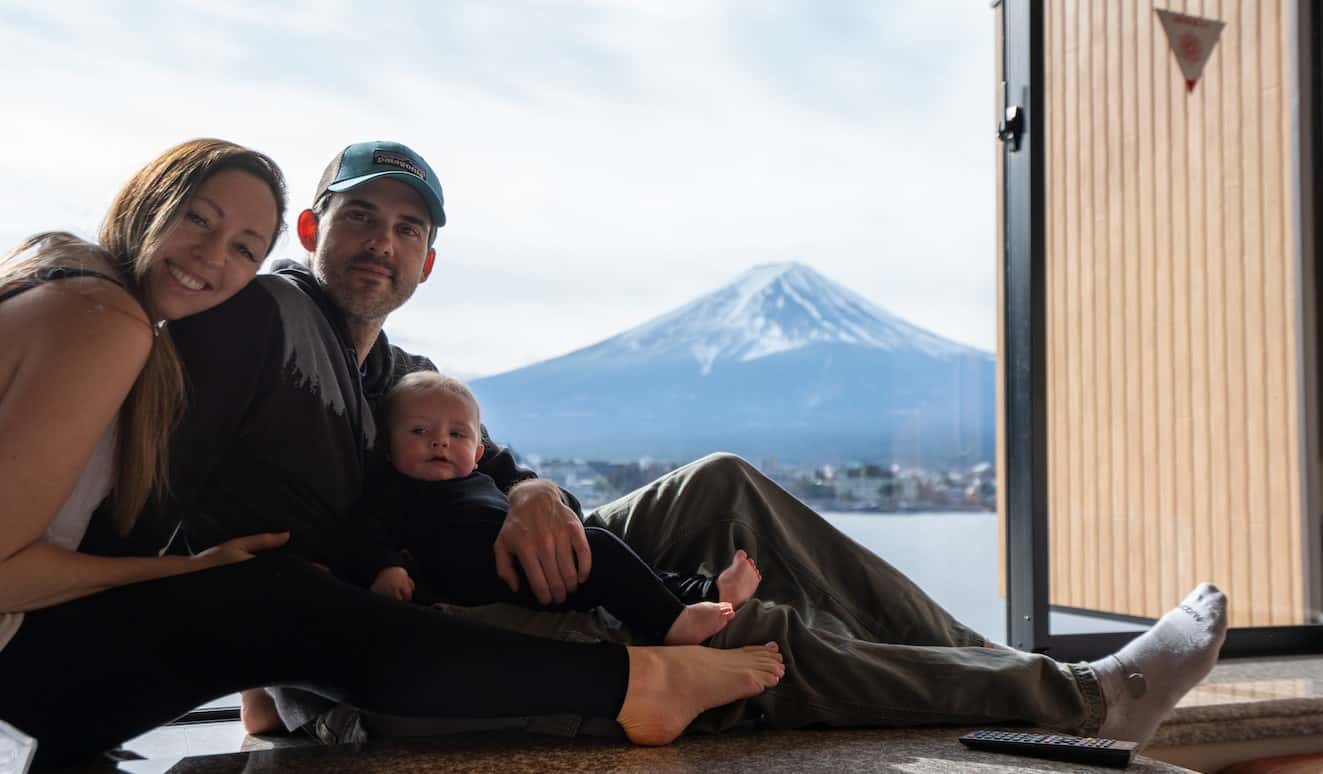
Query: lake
953,557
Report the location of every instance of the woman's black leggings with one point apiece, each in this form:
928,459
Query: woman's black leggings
85,675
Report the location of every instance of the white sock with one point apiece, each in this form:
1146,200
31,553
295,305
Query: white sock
1144,680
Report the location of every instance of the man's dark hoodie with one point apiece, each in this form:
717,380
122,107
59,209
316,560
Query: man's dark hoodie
279,431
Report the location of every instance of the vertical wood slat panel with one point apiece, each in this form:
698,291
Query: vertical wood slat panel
1214,218
1283,442
1095,342
1195,107
1281,448
1273,356
1168,581
1106,194
1070,258
1172,407
1234,154
1095,348
1182,547
1058,471
1117,312
1295,573
1152,454
1252,257
1219,512
1134,364
1082,352
1070,138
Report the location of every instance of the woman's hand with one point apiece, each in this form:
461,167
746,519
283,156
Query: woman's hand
39,575
240,549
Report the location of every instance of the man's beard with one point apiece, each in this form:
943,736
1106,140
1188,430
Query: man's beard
358,304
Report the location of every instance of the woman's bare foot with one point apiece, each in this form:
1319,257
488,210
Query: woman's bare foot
258,712
699,621
737,582
669,686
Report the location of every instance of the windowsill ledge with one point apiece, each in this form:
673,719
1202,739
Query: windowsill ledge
1247,710
1250,699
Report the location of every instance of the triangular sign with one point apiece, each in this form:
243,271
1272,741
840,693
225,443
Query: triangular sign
1192,40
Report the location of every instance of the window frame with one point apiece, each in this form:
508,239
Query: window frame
1025,354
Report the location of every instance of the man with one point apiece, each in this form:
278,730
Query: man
863,645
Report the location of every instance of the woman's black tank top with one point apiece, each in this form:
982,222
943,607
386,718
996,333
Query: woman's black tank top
51,273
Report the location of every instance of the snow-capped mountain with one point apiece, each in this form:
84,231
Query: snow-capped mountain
774,307
780,362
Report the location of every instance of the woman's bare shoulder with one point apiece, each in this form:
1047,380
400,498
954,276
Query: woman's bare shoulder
77,314
82,303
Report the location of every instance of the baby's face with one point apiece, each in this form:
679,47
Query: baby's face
434,436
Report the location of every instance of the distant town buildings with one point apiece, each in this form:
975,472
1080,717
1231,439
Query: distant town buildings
854,487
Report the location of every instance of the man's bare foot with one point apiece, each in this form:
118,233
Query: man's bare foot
699,621
737,582
669,686
258,712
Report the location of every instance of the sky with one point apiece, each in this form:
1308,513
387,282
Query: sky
603,162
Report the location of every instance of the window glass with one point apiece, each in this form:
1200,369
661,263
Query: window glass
1178,449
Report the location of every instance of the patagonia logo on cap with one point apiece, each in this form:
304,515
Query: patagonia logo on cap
382,157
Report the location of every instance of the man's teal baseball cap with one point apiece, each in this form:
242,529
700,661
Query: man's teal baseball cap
366,161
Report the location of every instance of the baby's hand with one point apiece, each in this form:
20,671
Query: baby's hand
395,583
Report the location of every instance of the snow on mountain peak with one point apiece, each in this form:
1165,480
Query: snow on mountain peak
771,308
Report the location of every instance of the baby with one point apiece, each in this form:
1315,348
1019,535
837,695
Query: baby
447,516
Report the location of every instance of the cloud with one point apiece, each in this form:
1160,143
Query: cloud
603,162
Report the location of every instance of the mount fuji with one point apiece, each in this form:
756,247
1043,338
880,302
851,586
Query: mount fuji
782,362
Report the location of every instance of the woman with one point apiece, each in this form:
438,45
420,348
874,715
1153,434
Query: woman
94,650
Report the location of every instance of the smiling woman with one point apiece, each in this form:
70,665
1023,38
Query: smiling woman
92,384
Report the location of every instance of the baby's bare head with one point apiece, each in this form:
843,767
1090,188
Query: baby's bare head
434,426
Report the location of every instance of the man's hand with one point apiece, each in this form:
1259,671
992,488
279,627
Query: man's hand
394,582
547,539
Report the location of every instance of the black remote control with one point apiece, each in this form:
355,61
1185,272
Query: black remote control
1098,752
